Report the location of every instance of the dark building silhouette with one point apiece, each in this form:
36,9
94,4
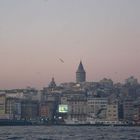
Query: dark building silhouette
52,84
29,110
80,73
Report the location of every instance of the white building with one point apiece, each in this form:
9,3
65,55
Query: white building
96,108
112,112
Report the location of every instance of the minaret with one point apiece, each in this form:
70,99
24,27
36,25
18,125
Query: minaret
80,73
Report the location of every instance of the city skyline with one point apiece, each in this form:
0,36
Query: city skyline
37,34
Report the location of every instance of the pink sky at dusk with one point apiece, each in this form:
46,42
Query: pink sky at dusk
34,34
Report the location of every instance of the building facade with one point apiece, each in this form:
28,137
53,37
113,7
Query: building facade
96,108
2,106
128,109
112,112
13,108
77,109
29,110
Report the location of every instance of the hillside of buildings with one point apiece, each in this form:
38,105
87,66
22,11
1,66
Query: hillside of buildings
76,102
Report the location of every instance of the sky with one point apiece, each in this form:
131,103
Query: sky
34,34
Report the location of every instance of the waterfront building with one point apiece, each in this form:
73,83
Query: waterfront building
96,108
2,106
13,94
128,109
77,108
112,112
80,73
136,111
44,110
13,108
49,106
29,110
48,110
136,116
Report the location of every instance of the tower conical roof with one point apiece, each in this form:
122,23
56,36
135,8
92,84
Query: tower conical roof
80,67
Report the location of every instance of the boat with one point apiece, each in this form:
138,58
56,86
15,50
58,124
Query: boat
8,122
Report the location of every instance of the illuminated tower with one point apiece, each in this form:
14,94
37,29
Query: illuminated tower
80,73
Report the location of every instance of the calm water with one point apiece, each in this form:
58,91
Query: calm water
69,133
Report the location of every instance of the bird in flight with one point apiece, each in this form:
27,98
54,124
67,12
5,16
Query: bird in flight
61,60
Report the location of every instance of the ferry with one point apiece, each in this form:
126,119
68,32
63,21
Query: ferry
8,122
75,122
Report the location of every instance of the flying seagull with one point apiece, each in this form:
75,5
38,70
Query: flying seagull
61,60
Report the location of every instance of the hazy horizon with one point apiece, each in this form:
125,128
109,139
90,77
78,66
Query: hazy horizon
34,34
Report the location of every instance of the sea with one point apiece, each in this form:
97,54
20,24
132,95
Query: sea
69,133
